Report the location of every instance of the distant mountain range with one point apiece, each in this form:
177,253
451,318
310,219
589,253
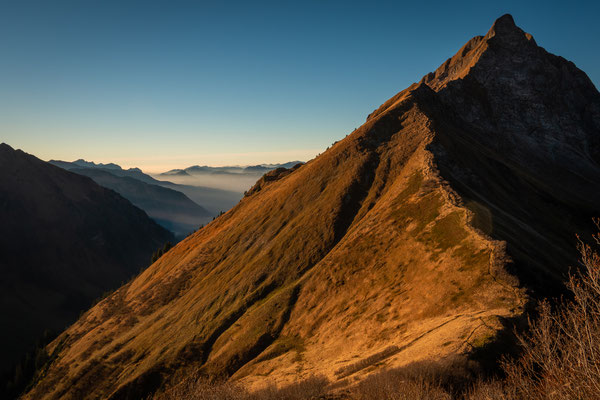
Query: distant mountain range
237,179
179,207
114,169
64,241
259,169
161,200
170,208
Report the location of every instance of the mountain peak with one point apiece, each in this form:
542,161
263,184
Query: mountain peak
505,22
5,147
504,33
505,30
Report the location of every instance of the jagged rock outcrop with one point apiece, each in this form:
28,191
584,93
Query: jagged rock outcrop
393,246
270,177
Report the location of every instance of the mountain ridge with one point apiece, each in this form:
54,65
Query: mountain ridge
232,169
112,168
391,247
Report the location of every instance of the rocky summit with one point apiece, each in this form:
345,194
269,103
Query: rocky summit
420,236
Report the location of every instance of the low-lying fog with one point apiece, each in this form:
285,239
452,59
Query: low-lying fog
236,182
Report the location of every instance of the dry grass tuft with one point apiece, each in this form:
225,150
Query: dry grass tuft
421,380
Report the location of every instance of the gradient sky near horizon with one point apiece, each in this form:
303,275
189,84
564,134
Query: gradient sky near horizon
169,84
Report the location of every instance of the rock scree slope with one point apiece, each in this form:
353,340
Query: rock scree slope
393,246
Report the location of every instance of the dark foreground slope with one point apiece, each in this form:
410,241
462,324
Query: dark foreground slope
64,240
382,251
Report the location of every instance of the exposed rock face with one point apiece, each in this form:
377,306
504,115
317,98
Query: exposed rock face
382,251
520,136
64,241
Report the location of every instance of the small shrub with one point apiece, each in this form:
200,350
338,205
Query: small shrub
561,352
159,253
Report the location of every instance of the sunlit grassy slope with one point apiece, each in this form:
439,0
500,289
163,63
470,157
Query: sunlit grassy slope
362,251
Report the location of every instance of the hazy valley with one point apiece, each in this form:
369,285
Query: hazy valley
178,200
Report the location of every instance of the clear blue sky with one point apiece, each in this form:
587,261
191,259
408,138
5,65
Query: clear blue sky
164,84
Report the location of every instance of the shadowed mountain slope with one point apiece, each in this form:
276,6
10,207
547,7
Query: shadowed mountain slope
171,209
64,241
393,246
519,140
211,199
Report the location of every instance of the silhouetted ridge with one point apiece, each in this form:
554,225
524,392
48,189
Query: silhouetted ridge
64,241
